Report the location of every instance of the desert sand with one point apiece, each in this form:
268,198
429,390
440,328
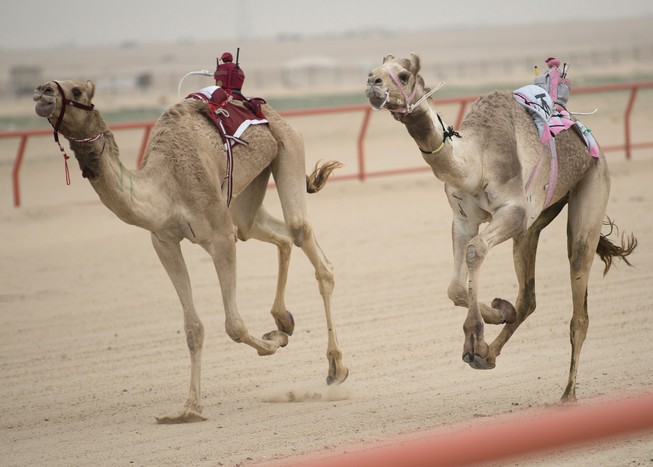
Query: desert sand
93,346
91,332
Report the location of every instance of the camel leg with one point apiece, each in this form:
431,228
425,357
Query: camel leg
464,227
222,249
173,262
290,176
508,221
587,204
253,221
462,233
267,228
524,255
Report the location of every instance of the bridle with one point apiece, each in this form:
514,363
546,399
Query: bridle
408,98
55,126
447,132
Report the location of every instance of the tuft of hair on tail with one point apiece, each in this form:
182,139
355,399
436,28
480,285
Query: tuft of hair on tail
318,178
607,250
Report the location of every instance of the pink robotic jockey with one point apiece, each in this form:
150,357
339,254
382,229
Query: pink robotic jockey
556,83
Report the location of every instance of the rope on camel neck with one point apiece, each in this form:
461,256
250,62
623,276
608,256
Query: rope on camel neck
447,133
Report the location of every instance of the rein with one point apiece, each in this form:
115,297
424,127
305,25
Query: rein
55,126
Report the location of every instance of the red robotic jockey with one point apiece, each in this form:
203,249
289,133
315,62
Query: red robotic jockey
229,75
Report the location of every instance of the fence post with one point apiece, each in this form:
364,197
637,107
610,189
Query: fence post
629,108
146,139
16,170
361,138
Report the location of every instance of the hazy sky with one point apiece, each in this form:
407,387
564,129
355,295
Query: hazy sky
37,23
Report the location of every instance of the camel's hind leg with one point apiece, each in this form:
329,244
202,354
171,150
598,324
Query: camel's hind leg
169,253
587,204
290,176
253,221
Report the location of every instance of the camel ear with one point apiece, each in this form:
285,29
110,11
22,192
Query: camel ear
388,57
414,63
90,85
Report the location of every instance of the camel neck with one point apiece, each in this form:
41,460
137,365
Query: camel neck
428,131
119,188
125,192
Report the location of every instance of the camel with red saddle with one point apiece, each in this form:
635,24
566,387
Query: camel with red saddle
179,193
495,174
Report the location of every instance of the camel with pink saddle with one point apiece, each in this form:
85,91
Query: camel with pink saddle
495,176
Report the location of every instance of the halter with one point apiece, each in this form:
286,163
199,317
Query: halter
408,99
55,126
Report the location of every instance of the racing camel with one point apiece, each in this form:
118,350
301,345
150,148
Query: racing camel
485,166
178,194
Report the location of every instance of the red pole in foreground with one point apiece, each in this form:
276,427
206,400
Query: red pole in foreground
536,431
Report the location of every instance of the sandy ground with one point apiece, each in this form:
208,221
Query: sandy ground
91,333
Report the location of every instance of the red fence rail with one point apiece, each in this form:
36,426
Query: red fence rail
530,433
627,146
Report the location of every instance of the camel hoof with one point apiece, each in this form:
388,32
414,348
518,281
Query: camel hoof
477,362
507,310
287,325
278,337
187,416
338,379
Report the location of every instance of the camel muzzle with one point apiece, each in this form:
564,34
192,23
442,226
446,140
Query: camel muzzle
377,97
44,105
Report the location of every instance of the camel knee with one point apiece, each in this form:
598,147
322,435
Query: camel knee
528,295
236,330
194,336
325,279
299,230
580,258
476,251
457,293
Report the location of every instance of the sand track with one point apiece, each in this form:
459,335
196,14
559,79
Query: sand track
93,349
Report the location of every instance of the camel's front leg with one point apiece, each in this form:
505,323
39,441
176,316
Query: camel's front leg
467,218
462,232
169,253
507,222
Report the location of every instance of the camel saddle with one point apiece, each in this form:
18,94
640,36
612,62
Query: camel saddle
232,114
550,120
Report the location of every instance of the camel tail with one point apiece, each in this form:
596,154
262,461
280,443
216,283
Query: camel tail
607,250
316,181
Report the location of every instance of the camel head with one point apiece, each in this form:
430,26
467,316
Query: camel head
395,85
67,106
64,103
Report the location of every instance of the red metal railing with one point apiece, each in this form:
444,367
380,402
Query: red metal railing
627,146
507,438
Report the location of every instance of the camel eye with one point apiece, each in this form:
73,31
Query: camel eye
404,77
77,93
